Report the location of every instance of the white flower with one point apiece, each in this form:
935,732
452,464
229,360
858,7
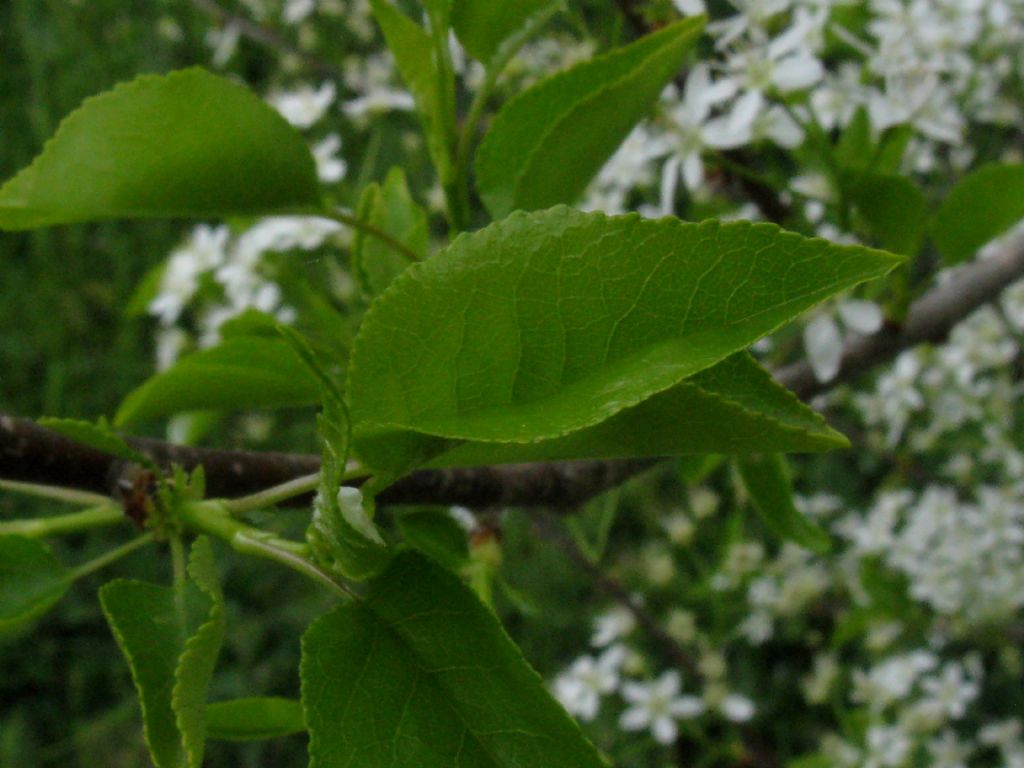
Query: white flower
690,132
304,106
887,747
329,167
612,626
204,251
296,11
690,7
823,340
736,708
658,706
824,346
170,343
224,42
948,751
951,692
579,689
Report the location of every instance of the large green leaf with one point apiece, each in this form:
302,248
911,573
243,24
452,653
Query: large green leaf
982,206
188,144
734,407
546,144
254,718
546,323
241,372
422,675
389,207
766,477
482,26
432,89
342,532
171,640
31,581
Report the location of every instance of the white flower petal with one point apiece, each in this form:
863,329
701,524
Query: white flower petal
864,317
824,347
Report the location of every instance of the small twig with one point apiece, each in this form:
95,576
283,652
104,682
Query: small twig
616,590
265,36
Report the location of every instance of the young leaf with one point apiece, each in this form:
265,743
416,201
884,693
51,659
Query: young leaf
982,206
433,93
171,642
766,477
99,436
591,526
546,144
188,144
482,26
342,533
546,323
735,407
254,718
423,675
195,667
894,208
31,581
391,208
241,372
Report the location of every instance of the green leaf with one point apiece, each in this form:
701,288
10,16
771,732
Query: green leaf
144,621
171,641
238,374
188,144
254,718
422,675
483,26
894,209
415,56
981,207
591,526
766,477
855,146
546,144
195,667
304,351
433,532
99,436
391,208
547,323
31,581
734,407
342,533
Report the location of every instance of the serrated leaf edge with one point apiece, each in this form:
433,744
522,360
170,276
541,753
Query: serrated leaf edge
498,228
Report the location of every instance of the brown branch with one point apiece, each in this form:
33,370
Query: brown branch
265,36
930,320
32,454
617,591
29,453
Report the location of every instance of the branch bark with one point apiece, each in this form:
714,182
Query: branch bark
30,453
930,320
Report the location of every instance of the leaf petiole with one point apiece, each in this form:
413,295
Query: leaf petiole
58,525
